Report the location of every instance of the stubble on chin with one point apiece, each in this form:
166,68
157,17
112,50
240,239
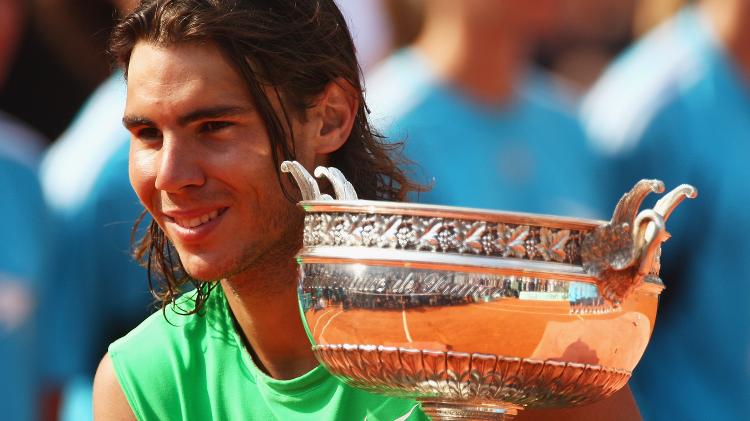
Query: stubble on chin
268,264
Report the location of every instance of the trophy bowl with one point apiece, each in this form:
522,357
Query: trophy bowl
478,314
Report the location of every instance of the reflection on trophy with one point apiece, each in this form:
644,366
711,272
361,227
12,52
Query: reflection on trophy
478,314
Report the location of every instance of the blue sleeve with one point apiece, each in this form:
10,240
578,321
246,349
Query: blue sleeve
23,263
105,292
123,281
24,223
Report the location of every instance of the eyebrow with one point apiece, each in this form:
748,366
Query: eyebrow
211,112
130,121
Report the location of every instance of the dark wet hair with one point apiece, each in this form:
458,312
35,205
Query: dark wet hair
290,48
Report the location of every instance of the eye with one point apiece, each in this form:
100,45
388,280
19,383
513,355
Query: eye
148,133
214,126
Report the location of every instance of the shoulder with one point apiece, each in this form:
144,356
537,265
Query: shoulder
110,402
152,341
156,363
111,188
397,86
551,99
18,178
24,219
167,334
645,81
74,162
18,142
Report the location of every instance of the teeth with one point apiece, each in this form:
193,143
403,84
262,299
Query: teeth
194,222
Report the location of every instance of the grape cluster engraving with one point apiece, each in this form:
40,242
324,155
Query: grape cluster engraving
443,235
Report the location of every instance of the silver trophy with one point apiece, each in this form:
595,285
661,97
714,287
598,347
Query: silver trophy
478,314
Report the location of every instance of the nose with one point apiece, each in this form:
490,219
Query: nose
179,165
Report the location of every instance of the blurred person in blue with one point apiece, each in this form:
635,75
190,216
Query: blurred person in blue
103,292
370,27
484,126
23,253
676,106
23,249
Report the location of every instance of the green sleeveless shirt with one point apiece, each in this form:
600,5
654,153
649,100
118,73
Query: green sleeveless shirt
196,368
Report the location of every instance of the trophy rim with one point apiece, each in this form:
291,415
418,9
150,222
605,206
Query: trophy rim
444,262
450,212
454,263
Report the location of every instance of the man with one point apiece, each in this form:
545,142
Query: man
23,262
676,106
23,251
218,94
85,184
484,126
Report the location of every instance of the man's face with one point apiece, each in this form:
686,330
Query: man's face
200,160
529,19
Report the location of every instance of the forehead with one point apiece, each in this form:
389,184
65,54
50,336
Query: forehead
182,75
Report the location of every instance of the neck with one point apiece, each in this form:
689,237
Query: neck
482,59
264,302
730,20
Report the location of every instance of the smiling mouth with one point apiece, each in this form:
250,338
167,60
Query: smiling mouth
199,220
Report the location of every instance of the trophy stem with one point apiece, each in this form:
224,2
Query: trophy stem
452,411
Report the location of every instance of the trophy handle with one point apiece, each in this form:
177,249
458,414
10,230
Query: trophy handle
306,183
627,208
309,187
669,202
624,251
664,207
341,186
649,231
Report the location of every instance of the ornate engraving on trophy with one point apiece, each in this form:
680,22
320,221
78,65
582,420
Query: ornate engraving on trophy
466,377
444,235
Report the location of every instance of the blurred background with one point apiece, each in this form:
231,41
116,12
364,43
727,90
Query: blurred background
558,106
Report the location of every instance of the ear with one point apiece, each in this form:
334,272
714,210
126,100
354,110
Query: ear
335,112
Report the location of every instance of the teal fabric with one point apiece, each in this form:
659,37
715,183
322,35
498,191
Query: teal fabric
691,126
101,292
527,155
23,260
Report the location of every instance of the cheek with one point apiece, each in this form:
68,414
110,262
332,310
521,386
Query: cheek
245,163
142,172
